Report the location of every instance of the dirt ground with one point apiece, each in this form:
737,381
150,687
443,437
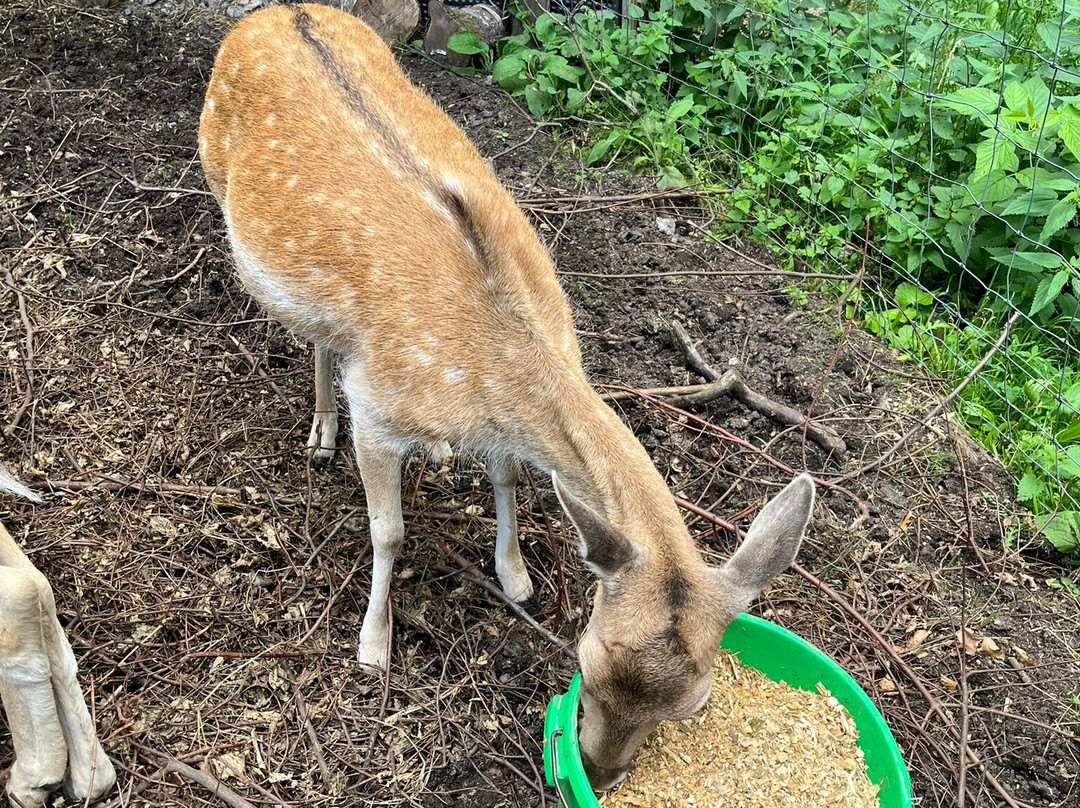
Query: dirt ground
212,583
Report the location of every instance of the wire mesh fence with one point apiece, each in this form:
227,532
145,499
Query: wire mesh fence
940,139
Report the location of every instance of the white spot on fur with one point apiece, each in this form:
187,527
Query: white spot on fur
453,375
370,230
225,143
273,144
235,68
423,357
432,339
210,104
202,144
271,119
290,244
274,174
291,182
290,150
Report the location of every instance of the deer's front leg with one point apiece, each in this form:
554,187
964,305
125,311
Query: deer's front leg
39,684
41,754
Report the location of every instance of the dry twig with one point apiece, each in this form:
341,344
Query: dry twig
731,383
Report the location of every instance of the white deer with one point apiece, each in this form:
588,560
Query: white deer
363,219
53,734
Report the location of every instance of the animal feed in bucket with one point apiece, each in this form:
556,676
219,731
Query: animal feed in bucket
756,744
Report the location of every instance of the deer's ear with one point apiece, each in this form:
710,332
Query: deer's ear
770,544
604,549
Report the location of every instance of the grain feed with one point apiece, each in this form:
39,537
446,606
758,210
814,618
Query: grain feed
756,744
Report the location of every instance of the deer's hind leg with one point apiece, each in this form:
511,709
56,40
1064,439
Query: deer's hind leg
324,425
509,565
379,457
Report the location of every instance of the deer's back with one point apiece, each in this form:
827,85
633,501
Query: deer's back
364,219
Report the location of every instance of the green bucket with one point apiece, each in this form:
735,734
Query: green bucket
780,655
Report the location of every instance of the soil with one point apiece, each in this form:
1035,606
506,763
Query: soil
212,583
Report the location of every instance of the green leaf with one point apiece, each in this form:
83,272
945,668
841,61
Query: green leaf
680,108
1028,260
1069,434
1037,203
910,295
979,102
741,84
1070,133
545,27
1029,488
466,43
1049,288
507,72
995,153
1068,464
600,149
1059,216
1016,97
574,99
1061,531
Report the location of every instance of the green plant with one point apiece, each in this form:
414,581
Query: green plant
957,139
798,295
468,43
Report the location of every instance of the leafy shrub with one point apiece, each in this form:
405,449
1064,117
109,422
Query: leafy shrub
957,139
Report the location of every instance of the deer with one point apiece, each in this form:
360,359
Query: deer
51,727
365,221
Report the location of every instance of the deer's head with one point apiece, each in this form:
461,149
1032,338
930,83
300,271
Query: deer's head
657,620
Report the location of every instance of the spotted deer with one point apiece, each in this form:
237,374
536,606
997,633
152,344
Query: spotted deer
363,219
51,729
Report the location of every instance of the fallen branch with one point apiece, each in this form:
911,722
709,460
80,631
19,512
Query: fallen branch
731,383
207,781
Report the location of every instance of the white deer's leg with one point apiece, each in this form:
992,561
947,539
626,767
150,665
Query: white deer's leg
90,773
41,754
509,564
324,426
380,470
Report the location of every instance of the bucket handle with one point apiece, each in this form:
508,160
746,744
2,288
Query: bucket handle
552,750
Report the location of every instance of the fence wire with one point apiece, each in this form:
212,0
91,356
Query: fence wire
951,129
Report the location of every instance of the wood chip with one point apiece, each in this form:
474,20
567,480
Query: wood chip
756,744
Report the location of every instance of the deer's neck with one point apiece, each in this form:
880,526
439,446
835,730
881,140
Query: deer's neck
599,459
